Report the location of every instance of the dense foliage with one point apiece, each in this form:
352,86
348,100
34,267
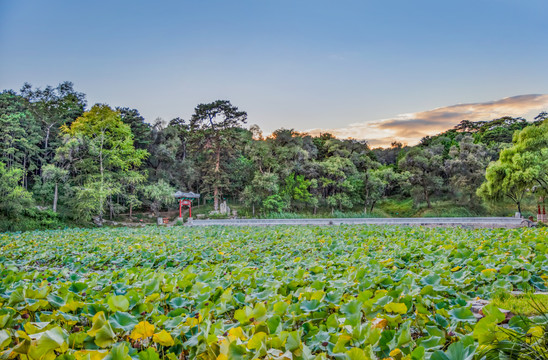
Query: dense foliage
100,162
348,292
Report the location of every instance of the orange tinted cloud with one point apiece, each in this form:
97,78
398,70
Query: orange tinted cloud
410,128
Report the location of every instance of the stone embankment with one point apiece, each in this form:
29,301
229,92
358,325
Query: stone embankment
468,222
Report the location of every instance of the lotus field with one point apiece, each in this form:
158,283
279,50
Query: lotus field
348,292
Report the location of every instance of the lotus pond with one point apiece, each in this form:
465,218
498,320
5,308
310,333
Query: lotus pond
346,292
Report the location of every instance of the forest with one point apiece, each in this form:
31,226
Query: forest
63,162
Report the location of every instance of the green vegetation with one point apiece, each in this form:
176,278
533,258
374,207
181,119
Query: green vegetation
349,292
97,163
526,304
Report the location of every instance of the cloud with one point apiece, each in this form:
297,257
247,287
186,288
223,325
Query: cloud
411,127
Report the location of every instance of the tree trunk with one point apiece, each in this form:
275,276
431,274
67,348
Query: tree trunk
110,207
519,207
55,196
132,190
47,138
25,172
215,198
372,206
427,198
217,169
101,196
253,206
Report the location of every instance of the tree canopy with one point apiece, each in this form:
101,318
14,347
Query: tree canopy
104,161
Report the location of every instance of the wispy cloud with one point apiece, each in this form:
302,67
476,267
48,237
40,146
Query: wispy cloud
410,128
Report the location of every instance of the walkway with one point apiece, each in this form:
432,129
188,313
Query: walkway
471,222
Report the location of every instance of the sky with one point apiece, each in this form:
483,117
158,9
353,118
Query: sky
377,70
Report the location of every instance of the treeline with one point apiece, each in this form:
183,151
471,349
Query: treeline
101,161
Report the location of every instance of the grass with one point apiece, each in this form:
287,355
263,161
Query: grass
527,304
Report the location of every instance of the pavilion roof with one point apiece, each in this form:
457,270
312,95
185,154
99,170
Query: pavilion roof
186,195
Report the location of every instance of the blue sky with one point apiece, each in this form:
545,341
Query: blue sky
347,66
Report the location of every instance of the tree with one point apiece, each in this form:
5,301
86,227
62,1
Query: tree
55,175
539,119
13,197
334,181
103,156
216,122
53,107
378,182
520,168
499,130
139,128
19,135
532,143
425,166
507,177
260,189
295,190
466,167
391,155
274,203
131,182
159,194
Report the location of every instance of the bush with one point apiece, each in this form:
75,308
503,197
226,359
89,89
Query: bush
32,219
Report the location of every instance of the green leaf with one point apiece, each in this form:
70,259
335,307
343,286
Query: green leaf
456,351
118,303
177,302
492,311
418,353
4,320
439,355
48,342
340,345
310,306
256,341
404,334
105,336
462,315
5,339
78,287
432,279
356,354
98,322
486,331
352,311
123,321
259,311
153,286
16,297
118,352
398,308
431,342
293,341
148,354
274,324
236,352
243,315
